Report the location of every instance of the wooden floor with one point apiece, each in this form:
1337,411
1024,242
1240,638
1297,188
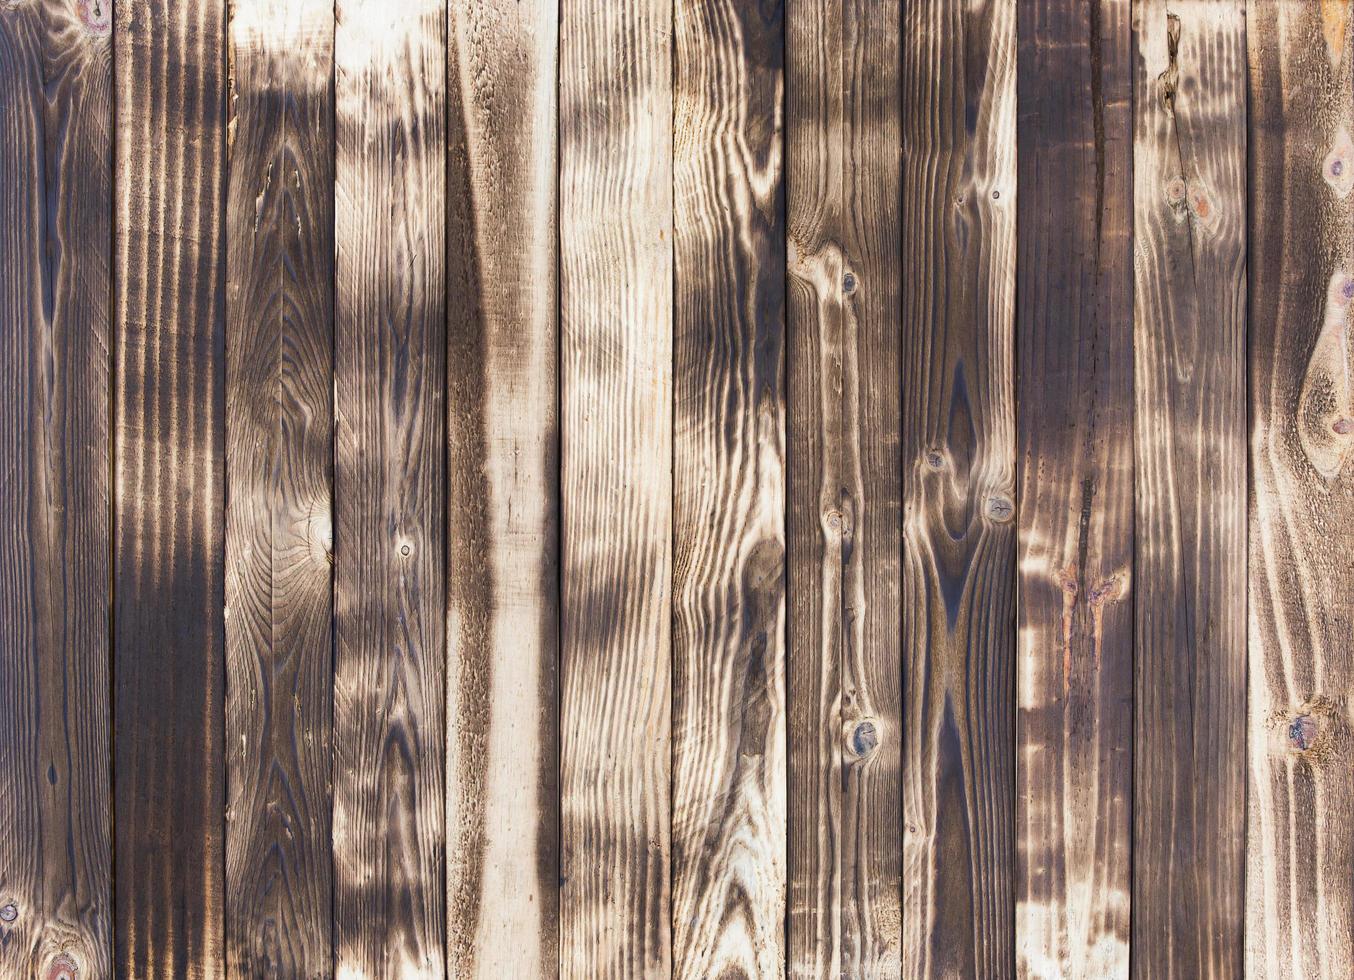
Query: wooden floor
696,488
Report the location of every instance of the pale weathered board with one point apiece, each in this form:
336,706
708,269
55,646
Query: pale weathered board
1189,206
615,377
502,493
843,522
1074,464
1300,838
55,291
169,451
279,488
958,459
390,214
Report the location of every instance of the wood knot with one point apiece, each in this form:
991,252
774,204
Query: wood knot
864,739
848,284
1302,732
1175,191
999,509
96,16
934,459
9,912
1338,167
62,967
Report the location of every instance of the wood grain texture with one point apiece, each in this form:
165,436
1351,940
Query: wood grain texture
1300,851
168,630
1189,206
958,453
55,293
729,756
279,449
389,484
615,187
1074,438
502,736
844,515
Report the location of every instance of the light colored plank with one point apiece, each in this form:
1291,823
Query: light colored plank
1189,171
615,186
502,519
389,481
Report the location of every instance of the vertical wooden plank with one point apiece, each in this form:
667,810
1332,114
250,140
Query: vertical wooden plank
844,519
728,491
169,265
389,480
55,236
502,742
1189,191
1300,851
1074,437
615,200
279,449
959,242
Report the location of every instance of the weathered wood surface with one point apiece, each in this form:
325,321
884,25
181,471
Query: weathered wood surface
616,312
279,449
389,485
843,510
958,460
502,518
1074,460
55,290
1300,850
169,448
1189,206
728,644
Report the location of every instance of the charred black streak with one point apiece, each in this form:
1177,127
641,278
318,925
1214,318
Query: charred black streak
1084,525
1098,118
1169,80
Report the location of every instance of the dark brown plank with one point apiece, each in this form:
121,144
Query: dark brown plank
844,515
389,486
615,253
1074,460
279,448
958,451
55,291
1189,187
169,267
1300,849
502,518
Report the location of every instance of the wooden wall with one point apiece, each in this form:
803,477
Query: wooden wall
700,488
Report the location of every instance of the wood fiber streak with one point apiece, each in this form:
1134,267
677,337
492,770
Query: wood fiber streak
279,449
959,414
502,518
55,213
1074,438
1189,205
844,518
168,629
389,485
615,187
1300,850
729,757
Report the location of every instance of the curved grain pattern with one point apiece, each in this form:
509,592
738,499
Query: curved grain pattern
845,725
55,212
1190,611
728,822
1300,850
502,745
169,264
279,445
959,238
1074,432
389,480
615,187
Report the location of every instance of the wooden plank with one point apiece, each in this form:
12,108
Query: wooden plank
1074,437
958,451
279,448
729,755
389,479
502,741
844,517
615,187
1300,851
1189,166
169,265
55,234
